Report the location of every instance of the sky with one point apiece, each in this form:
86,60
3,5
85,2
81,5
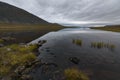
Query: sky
72,11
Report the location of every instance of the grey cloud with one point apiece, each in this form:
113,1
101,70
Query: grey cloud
66,11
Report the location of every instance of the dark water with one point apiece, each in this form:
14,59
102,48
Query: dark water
21,36
99,63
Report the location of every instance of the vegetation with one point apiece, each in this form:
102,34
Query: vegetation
97,44
77,42
7,27
8,38
75,74
15,55
103,45
1,41
23,33
109,28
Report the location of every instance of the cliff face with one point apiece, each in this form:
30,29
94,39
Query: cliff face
12,14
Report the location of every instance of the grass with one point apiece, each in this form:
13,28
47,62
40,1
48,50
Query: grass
1,41
28,27
97,44
15,55
77,42
109,28
24,33
8,38
100,45
75,74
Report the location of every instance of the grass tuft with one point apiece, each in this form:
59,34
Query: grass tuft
1,41
100,45
75,74
77,42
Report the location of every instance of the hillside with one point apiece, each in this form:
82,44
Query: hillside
12,14
114,28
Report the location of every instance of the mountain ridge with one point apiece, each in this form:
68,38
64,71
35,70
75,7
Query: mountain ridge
12,14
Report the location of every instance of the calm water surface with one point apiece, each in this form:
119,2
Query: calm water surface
100,63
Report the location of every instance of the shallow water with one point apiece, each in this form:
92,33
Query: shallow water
99,63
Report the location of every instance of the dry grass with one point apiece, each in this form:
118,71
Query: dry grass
75,74
13,56
108,28
28,27
100,45
1,41
77,42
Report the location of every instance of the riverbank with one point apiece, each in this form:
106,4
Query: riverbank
24,33
16,56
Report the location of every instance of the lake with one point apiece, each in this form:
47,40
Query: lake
95,52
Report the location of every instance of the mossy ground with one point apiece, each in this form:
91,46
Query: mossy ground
75,74
15,55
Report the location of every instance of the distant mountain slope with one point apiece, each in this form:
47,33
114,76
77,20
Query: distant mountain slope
114,28
12,14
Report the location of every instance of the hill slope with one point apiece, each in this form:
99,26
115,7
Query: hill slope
114,28
12,14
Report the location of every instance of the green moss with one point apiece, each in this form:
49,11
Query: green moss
23,48
4,70
14,56
75,74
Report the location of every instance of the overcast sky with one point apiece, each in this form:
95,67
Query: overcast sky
72,11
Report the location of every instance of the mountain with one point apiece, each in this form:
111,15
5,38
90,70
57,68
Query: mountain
12,14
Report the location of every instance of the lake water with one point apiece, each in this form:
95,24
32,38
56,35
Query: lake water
98,52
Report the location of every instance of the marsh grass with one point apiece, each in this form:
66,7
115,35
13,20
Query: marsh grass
97,44
112,47
1,41
15,55
77,42
75,74
100,45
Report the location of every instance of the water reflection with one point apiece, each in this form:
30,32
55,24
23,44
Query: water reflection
95,52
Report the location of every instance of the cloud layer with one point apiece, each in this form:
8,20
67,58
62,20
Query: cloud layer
72,11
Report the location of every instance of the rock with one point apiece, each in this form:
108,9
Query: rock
8,38
47,50
74,60
52,53
42,41
1,45
22,44
8,49
26,77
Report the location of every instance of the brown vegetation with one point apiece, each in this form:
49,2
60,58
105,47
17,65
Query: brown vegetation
108,28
